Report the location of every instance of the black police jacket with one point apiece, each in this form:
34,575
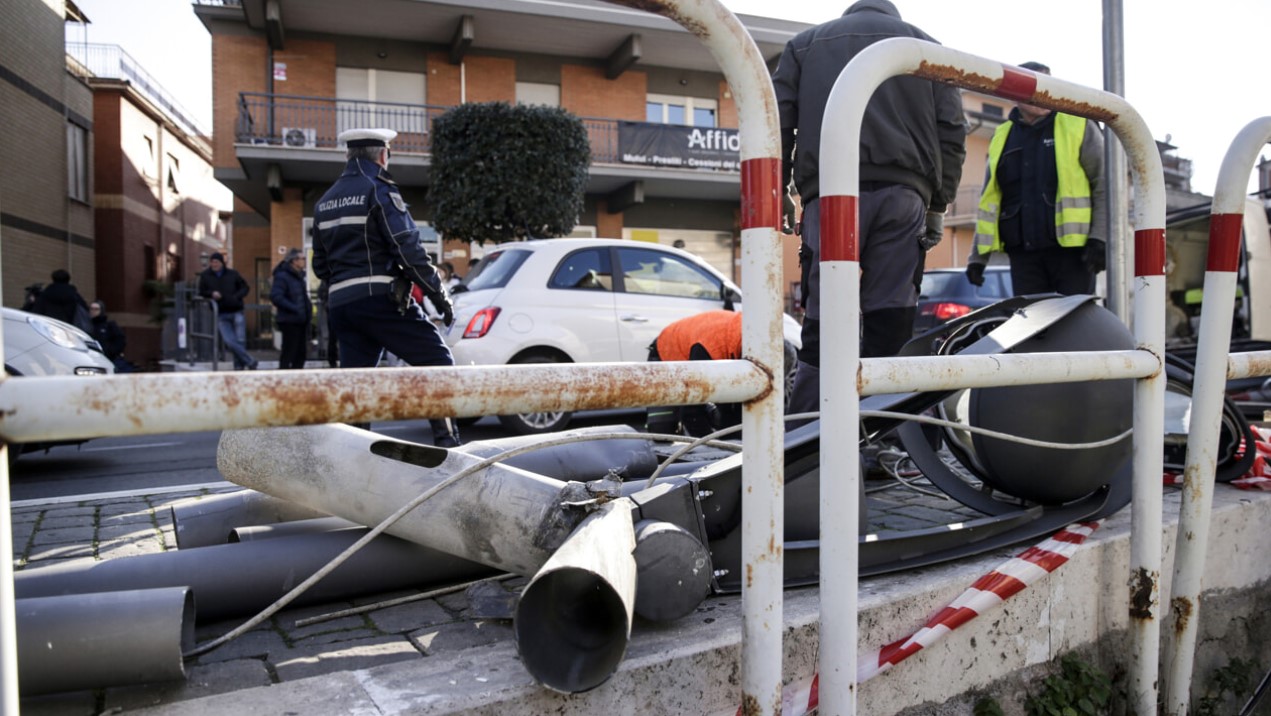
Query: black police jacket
363,237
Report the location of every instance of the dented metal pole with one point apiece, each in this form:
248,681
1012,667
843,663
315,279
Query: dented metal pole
209,520
66,407
883,376
762,426
1209,384
501,516
839,253
573,619
1246,365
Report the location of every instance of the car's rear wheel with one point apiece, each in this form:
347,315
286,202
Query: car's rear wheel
540,422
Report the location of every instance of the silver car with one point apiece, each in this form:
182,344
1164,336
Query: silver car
39,345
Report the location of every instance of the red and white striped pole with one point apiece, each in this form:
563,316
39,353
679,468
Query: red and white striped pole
763,523
1210,382
840,283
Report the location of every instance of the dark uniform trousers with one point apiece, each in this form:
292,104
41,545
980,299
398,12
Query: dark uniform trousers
368,326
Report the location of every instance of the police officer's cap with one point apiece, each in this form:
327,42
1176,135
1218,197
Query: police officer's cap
366,137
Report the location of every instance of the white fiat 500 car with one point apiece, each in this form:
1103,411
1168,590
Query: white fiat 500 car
581,301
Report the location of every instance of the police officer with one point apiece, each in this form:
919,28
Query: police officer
366,247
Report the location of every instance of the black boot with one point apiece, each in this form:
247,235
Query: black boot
445,434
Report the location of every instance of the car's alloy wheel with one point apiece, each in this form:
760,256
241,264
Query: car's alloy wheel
541,422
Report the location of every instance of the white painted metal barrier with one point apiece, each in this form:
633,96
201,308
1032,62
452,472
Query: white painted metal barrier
1213,367
840,389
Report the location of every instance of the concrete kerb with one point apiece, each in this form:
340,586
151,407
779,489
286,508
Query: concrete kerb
691,666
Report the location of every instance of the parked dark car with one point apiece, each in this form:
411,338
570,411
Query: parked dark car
946,294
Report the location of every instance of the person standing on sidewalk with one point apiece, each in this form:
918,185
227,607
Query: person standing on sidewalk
290,296
227,287
911,149
366,245
1043,202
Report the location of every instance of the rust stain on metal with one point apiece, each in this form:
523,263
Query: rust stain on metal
750,705
666,9
970,80
750,575
1142,587
1182,608
767,386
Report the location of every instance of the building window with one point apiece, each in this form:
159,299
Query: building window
538,93
992,110
378,98
174,173
688,111
76,162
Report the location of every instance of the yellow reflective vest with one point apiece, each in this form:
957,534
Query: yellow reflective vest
1073,208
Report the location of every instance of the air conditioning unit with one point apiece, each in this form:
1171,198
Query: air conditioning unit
299,137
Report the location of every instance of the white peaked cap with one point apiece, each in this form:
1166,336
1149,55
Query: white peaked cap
366,137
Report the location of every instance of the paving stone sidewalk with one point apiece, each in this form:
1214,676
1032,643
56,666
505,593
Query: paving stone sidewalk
278,650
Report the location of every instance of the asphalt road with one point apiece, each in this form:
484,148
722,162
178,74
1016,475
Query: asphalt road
154,462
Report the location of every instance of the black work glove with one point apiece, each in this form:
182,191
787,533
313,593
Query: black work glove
934,231
788,224
441,302
1096,256
975,274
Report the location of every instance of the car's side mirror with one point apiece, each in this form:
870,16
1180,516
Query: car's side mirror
729,297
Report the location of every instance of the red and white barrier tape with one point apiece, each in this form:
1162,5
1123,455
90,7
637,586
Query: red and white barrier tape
1011,577
1258,477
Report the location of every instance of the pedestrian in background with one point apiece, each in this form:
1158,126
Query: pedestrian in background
367,246
61,300
227,287
911,149
713,335
109,336
1043,201
290,296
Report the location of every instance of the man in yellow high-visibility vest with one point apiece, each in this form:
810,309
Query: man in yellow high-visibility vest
1043,202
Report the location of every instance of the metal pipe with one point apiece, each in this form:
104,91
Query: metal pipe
503,517
8,622
918,374
762,428
39,408
93,641
577,461
574,618
1120,250
208,520
236,579
1208,388
840,186
1247,365
251,533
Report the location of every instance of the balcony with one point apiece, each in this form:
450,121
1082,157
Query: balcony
298,135
964,207
92,60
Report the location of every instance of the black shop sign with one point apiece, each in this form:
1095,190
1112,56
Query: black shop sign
665,145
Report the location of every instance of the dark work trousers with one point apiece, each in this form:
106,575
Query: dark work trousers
369,326
892,218
1051,270
294,339
696,419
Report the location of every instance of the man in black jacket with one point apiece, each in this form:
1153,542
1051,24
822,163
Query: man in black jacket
61,300
224,285
911,151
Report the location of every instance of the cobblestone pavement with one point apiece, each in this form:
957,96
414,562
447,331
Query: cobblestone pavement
278,650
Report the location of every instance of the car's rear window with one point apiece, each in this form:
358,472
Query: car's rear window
496,269
943,284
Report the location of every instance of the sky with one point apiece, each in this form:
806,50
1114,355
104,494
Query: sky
1192,70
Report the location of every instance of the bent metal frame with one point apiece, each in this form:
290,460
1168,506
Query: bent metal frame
52,408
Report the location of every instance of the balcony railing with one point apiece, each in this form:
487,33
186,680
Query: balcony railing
300,122
111,62
963,209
